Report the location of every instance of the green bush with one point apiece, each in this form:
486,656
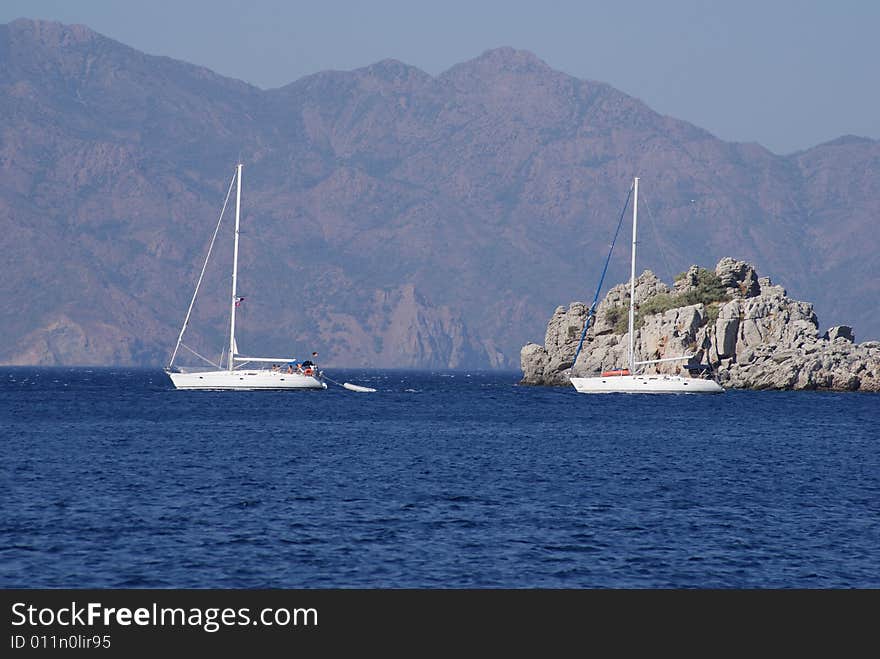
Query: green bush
618,317
708,291
658,304
712,312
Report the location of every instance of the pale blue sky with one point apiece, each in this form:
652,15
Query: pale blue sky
786,74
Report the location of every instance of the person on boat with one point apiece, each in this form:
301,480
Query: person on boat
309,366
292,366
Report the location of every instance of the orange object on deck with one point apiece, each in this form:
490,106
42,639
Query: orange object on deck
616,371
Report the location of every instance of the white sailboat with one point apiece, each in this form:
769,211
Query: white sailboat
627,380
241,372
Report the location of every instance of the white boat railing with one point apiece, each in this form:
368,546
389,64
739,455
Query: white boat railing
666,359
265,360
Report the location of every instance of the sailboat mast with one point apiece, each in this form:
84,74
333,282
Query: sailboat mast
234,273
632,278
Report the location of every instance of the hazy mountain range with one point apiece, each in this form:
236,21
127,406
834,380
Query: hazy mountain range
390,218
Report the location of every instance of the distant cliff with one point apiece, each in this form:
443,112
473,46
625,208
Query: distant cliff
748,330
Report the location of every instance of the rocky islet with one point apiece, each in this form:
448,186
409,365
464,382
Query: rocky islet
753,336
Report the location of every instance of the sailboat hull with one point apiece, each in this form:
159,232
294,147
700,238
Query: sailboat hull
645,384
261,379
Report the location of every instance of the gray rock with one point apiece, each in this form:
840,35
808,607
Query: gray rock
738,277
533,361
840,332
727,330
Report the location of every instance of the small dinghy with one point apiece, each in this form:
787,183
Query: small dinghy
357,387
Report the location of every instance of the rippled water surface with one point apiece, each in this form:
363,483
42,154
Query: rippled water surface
110,478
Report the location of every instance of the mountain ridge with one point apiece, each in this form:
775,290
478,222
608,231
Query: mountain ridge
459,207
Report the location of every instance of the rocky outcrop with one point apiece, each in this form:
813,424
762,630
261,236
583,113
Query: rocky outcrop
751,334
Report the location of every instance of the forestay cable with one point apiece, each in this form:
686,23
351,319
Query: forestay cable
592,310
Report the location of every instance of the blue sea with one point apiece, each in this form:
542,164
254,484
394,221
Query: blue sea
110,478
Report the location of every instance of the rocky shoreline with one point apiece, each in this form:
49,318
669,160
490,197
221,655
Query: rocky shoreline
751,334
